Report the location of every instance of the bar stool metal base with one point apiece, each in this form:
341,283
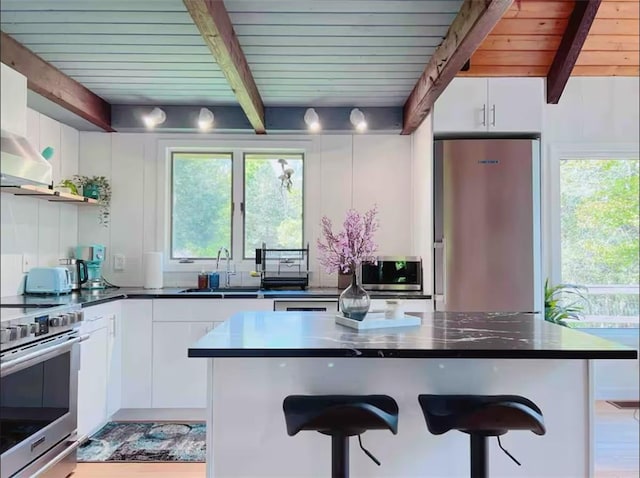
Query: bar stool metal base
479,456
339,456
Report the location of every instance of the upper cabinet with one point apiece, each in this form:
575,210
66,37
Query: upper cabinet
13,100
494,105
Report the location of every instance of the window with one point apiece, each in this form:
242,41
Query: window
201,185
208,187
272,201
599,227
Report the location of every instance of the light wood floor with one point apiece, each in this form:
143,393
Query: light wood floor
617,453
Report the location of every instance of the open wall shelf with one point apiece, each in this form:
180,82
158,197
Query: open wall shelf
48,194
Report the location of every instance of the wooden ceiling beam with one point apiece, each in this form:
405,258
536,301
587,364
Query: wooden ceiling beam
474,22
212,19
46,80
584,12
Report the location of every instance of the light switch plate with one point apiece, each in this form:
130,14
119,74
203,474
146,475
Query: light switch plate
28,261
118,262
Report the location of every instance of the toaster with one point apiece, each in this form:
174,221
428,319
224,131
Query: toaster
48,280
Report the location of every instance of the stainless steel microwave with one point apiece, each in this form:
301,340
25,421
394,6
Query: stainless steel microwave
393,273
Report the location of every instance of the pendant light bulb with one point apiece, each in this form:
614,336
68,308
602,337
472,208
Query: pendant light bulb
312,119
357,119
153,119
205,119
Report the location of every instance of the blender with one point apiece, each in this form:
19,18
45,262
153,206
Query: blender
94,256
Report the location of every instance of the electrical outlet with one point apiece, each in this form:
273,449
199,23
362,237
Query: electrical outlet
118,262
28,261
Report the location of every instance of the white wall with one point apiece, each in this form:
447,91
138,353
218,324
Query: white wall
341,171
45,231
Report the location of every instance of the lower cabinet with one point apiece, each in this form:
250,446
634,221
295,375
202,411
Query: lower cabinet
92,382
178,381
99,378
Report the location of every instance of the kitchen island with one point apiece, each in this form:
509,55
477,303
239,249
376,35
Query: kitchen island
256,359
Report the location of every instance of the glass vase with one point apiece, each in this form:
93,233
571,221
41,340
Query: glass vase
354,300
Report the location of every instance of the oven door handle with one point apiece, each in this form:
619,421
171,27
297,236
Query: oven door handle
73,444
39,356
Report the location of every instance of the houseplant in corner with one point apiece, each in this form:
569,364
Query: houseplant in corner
345,251
556,309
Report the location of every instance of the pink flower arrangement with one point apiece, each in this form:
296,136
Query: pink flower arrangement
345,251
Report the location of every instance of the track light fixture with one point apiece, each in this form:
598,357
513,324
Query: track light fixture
357,119
205,119
153,119
312,119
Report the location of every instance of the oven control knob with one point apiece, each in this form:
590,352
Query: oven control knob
79,315
34,328
9,334
64,320
5,336
55,322
22,331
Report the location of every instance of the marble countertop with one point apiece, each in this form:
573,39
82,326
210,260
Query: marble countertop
88,298
441,335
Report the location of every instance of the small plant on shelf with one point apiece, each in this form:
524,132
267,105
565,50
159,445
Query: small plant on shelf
94,187
563,302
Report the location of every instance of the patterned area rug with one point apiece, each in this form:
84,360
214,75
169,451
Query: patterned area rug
146,442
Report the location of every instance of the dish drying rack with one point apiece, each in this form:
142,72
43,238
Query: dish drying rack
283,268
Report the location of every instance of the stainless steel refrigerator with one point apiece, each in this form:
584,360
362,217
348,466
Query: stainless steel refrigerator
487,253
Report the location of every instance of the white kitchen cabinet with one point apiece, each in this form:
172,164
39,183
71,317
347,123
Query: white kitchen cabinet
137,332
13,100
92,382
205,310
462,107
178,381
515,104
490,105
99,379
114,363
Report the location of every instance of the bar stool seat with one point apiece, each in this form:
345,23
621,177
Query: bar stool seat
340,416
481,416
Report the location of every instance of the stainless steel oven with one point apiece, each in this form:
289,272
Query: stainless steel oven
393,273
39,363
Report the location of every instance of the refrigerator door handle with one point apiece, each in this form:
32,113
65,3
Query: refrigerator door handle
484,115
493,115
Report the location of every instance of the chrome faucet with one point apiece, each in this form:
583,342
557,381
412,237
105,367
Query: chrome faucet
227,272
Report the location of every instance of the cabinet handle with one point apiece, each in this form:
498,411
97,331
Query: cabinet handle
484,115
493,115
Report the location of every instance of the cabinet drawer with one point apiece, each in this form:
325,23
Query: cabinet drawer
205,310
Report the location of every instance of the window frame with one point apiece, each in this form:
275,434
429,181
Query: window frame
190,260
557,153
244,195
158,149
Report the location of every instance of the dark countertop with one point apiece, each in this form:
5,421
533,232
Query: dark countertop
441,335
89,298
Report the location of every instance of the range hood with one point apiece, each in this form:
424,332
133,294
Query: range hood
21,163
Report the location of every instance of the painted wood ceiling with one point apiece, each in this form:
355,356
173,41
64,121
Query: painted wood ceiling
322,53
525,40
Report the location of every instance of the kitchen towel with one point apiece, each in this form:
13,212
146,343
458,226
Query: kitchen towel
153,270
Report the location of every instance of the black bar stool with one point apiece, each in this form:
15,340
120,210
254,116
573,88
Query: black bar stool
341,416
481,416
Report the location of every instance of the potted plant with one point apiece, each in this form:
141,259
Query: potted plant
556,308
94,187
345,251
